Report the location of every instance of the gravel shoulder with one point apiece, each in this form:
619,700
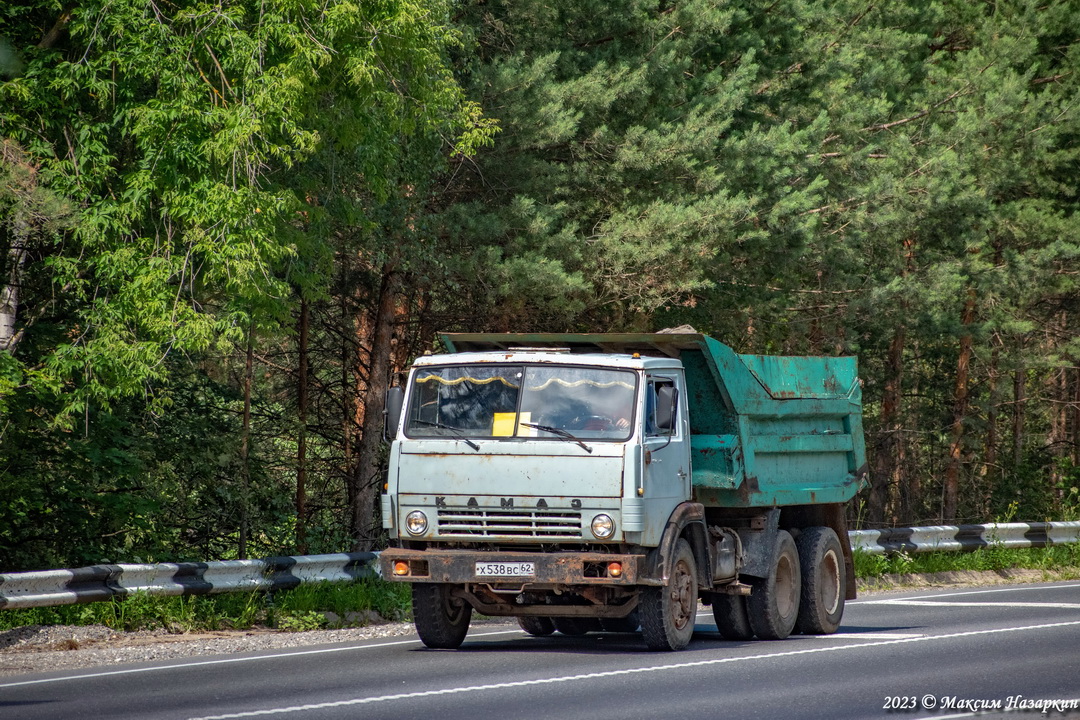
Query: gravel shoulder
36,648
39,648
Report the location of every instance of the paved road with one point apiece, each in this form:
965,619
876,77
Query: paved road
912,655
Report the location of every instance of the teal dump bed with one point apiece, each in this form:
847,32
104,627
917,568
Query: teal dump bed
773,430
765,430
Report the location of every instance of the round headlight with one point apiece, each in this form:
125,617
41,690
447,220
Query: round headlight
416,522
603,527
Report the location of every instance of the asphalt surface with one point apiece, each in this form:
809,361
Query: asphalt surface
1009,650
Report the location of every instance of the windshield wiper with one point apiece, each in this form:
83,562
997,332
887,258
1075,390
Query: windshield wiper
558,431
456,430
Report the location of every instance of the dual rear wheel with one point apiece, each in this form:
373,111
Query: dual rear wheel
804,591
824,581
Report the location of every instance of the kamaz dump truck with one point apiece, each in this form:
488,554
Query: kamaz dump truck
610,482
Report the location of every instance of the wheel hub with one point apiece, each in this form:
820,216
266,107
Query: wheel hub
681,605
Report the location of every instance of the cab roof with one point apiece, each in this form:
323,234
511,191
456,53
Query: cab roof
647,344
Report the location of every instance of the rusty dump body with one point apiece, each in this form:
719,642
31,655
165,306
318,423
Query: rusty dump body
571,476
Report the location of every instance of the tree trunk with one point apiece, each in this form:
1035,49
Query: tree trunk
887,469
301,440
245,448
990,448
348,397
50,38
1076,417
9,293
1018,409
1058,440
889,472
367,476
1060,397
951,493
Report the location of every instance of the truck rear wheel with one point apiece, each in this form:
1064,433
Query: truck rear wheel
538,626
731,617
575,626
442,621
668,613
824,581
773,606
629,624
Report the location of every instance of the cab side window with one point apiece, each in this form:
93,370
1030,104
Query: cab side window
656,387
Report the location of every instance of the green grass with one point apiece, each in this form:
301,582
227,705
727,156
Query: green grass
298,609
1060,559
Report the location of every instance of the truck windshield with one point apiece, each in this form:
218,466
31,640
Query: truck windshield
503,401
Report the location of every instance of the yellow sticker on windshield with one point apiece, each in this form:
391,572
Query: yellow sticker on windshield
503,424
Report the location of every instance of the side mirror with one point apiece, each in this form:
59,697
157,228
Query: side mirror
395,399
667,406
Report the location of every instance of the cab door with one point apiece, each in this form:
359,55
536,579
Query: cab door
665,451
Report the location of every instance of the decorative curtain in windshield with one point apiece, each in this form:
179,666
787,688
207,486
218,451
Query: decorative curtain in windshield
522,401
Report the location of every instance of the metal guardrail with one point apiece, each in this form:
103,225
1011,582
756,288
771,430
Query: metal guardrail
103,582
941,538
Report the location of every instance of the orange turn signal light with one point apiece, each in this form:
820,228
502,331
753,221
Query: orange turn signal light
614,569
401,568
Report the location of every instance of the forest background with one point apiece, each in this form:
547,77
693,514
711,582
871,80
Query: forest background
227,225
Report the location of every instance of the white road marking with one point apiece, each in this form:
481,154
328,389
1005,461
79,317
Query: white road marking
618,673
961,603
870,636
842,635
987,591
227,660
706,614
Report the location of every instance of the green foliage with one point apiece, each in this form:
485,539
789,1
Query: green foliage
792,177
128,487
1027,487
192,139
301,621
995,557
301,608
387,599
631,169
176,132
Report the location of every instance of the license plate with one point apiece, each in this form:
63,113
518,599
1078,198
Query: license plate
506,569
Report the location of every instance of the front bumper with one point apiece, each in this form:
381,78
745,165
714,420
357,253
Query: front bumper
552,569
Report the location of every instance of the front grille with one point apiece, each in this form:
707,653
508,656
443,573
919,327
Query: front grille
503,522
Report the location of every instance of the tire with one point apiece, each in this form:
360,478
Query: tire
629,624
668,613
824,581
729,612
441,621
773,605
575,626
536,626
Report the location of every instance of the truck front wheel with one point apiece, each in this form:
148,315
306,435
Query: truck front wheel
668,613
773,604
441,620
824,582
